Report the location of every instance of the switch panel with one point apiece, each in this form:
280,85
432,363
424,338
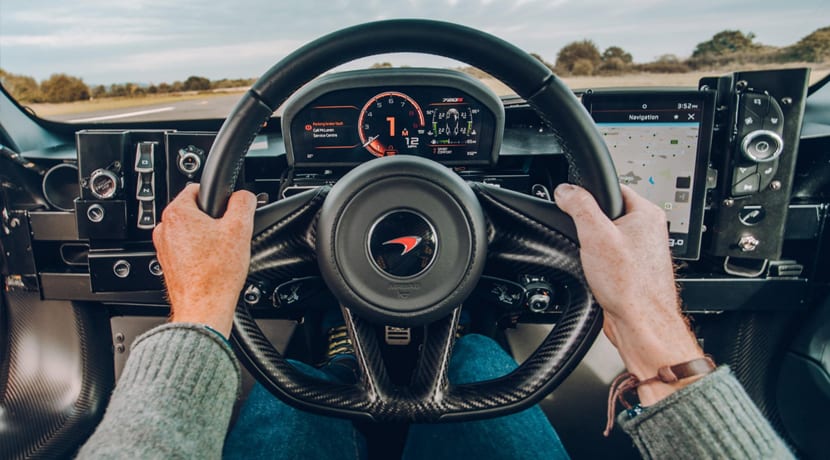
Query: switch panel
119,271
760,125
145,192
760,141
127,168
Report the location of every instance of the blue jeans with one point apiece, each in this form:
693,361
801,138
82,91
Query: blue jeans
269,428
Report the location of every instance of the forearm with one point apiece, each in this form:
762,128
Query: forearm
174,399
711,418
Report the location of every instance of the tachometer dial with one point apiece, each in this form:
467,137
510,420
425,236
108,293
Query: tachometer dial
390,123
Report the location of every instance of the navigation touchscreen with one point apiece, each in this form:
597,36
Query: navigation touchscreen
659,142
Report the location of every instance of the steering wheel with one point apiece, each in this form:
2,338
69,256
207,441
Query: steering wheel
462,228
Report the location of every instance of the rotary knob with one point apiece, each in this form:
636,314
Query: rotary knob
252,295
762,145
190,160
539,302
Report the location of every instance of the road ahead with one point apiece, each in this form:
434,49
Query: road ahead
209,107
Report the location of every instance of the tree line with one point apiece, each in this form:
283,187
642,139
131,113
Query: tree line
61,87
725,48
728,47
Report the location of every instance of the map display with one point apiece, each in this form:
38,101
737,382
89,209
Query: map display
659,143
658,161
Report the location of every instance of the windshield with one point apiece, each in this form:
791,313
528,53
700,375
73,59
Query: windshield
92,61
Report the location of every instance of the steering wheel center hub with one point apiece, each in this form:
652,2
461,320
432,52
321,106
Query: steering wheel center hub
402,244
379,234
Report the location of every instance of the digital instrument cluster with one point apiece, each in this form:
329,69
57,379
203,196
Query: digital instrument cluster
348,118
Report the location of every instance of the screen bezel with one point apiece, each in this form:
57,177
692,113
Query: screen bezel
691,249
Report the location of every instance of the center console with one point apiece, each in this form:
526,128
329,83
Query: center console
126,178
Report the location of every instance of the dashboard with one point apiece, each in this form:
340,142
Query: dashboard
718,159
659,141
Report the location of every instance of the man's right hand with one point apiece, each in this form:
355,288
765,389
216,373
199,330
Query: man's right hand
205,260
628,266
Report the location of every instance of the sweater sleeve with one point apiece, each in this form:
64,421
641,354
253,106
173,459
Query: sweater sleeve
174,399
711,418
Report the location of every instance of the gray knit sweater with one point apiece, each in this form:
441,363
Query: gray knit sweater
711,418
173,400
175,397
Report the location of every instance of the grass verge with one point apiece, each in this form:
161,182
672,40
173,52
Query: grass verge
112,103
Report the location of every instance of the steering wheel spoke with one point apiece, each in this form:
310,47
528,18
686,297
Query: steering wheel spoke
430,380
373,377
282,247
542,211
423,397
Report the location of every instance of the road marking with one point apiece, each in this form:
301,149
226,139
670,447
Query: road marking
122,115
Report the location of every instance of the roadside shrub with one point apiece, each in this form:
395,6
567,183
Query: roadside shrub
232,83
725,42
815,47
758,55
664,67
21,87
616,53
582,67
613,66
573,52
666,63
64,88
117,90
99,91
195,83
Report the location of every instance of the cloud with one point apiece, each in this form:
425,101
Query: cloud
162,40
200,60
80,39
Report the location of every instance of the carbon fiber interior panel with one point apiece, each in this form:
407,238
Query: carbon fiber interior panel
57,376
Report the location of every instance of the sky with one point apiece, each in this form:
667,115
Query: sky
152,41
